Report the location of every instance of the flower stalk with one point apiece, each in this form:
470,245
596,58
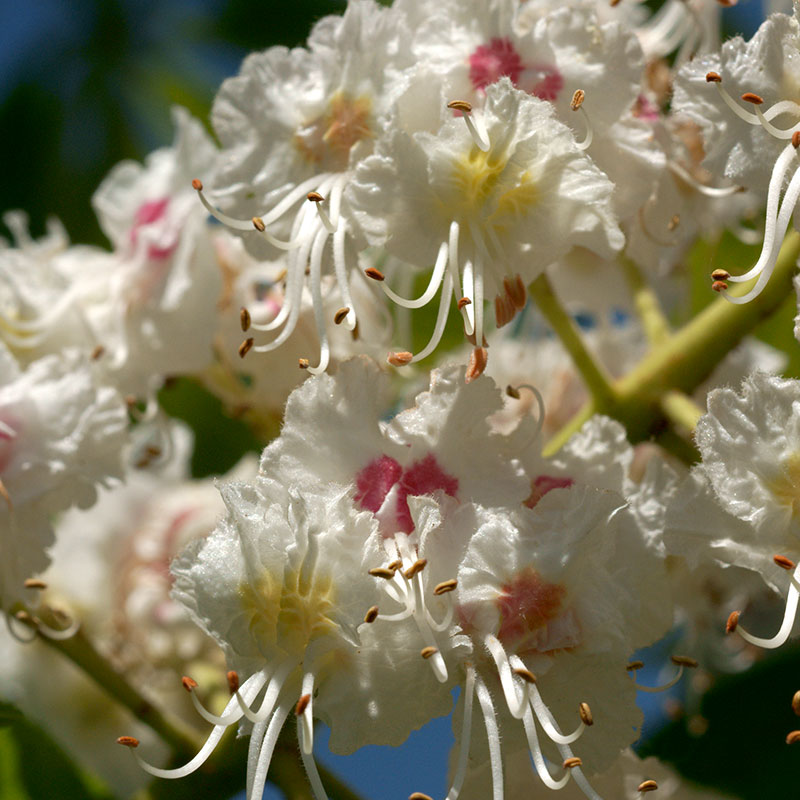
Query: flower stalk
683,361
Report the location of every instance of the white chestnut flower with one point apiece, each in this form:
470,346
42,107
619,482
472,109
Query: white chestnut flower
746,488
491,202
143,300
293,124
61,435
282,586
724,95
537,612
39,311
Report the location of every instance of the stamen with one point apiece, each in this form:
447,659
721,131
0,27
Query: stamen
381,572
441,320
647,786
515,289
789,615
516,699
783,562
128,741
733,622
572,762
399,359
419,796
793,737
536,754
493,735
315,279
265,753
34,583
433,285
466,731
707,191
340,316
480,138
318,200
97,353
445,586
585,713
233,681
681,662
716,79
310,766
576,104
375,274
371,615
6,496
304,712
477,364
246,346
514,392
239,224
244,319
415,568
17,632
429,651
796,703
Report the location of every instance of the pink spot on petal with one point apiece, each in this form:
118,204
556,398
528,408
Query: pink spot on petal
374,482
492,61
526,604
148,213
543,484
422,477
542,81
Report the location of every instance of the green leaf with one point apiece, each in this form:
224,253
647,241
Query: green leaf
33,766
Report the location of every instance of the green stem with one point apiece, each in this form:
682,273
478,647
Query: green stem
81,652
686,358
645,301
594,375
681,410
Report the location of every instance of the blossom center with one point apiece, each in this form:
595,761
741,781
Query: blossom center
327,140
786,485
382,474
532,614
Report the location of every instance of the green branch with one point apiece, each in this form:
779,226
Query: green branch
648,308
597,381
684,359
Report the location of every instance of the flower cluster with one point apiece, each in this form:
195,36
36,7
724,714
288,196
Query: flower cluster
509,531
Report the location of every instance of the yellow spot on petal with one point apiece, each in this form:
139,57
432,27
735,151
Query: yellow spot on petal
785,486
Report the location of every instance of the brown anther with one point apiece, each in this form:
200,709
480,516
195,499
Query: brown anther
131,401
5,495
570,763
614,3
197,185
647,786
246,346
419,796
129,741
719,286
516,290
416,567
395,565
340,316
463,303
460,105
303,363
281,276
259,225
751,97
445,586
513,392
577,99
525,674
315,197
713,77
796,703
34,583
783,562
796,139
152,451
793,737
188,683
427,652
97,352
382,572
727,3
375,274
244,318
634,665
477,364
399,359
673,223
720,275
302,704
683,661
371,615
733,622
26,618
585,714
232,677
